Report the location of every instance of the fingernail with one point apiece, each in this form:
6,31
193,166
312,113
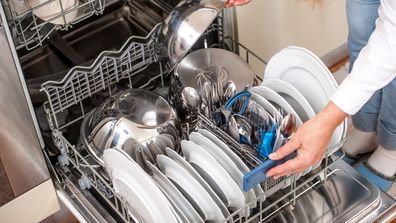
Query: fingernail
272,155
276,177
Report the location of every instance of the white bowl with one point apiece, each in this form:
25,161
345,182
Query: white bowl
53,9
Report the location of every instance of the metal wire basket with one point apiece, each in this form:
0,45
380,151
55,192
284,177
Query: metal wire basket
33,21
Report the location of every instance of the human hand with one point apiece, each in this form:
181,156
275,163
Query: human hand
231,3
310,141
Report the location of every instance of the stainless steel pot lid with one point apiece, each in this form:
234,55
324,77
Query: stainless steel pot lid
214,64
185,25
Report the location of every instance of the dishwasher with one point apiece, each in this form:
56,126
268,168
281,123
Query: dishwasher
67,67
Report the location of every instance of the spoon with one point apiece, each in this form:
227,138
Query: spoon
288,125
258,115
240,128
229,90
191,98
206,92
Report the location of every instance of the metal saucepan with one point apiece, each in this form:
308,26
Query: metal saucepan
137,118
185,25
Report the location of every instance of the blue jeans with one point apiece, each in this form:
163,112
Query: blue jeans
379,113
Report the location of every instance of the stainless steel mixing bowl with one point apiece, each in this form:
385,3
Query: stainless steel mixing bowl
136,121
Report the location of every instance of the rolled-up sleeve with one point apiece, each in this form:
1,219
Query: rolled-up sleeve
375,66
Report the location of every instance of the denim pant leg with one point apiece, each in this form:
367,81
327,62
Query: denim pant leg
361,15
387,117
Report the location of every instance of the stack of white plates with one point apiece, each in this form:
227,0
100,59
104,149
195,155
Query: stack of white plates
297,81
144,199
203,185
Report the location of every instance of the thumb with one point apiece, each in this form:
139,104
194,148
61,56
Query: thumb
285,150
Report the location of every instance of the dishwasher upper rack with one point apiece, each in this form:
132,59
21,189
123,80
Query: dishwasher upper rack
30,31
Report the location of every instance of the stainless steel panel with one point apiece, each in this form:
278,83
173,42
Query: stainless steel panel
20,148
346,196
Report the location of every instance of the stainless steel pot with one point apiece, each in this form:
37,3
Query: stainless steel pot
211,67
185,25
138,121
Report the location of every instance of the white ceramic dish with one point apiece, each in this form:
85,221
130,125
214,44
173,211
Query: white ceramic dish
303,70
222,158
264,103
214,174
235,158
317,59
292,96
274,97
187,167
197,194
137,188
174,195
48,11
320,62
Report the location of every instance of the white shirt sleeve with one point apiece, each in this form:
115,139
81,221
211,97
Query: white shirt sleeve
375,66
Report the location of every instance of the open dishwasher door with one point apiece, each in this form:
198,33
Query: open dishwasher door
345,196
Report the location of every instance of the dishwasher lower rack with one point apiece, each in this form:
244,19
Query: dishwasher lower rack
93,177
131,61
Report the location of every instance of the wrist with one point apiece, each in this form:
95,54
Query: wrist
331,116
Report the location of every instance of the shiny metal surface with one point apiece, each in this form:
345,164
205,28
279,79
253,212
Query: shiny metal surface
185,25
191,98
239,128
288,125
346,196
20,148
215,65
132,121
229,90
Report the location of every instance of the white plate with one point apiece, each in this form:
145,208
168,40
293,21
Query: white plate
305,71
318,60
274,97
235,158
174,195
187,167
191,187
301,70
292,96
265,104
214,174
221,157
137,188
